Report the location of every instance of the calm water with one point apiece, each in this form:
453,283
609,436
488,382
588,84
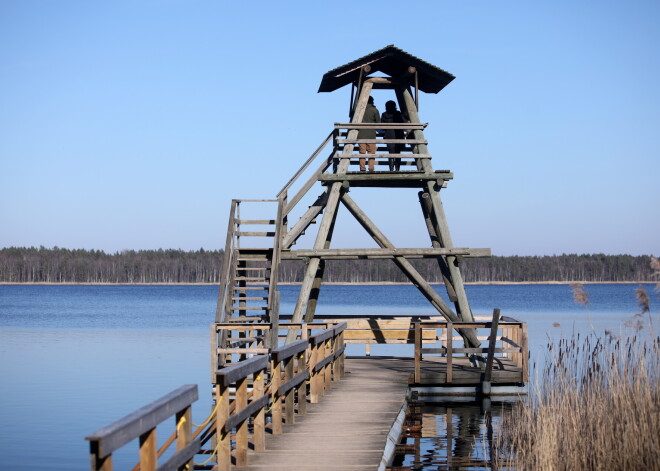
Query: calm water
76,358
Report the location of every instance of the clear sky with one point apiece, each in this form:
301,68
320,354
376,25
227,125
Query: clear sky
132,124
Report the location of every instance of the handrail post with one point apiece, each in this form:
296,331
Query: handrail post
313,375
327,370
485,385
259,422
184,430
148,451
302,390
450,351
276,411
98,463
418,352
288,399
524,350
242,428
222,435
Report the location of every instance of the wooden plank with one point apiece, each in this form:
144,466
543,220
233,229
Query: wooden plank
384,253
184,433
222,436
148,451
380,125
182,457
339,155
256,221
294,382
259,423
384,335
381,141
321,336
233,373
286,351
246,411
142,420
238,420
491,345
255,234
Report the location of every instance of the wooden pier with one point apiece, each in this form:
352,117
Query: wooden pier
285,397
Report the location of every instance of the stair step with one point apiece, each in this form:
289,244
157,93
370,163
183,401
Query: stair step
250,288
250,278
252,268
245,318
255,221
249,308
250,298
255,234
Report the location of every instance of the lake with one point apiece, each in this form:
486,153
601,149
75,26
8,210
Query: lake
75,358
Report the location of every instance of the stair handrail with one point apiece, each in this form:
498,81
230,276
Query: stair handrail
307,162
226,265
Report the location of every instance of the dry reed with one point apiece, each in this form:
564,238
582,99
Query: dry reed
595,406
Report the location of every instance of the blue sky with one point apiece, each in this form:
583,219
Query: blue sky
132,125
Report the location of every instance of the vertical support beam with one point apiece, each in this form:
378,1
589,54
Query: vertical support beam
259,437
288,400
98,463
242,428
437,211
524,347
184,430
223,436
329,215
327,370
302,389
418,352
485,385
313,375
276,412
148,451
450,352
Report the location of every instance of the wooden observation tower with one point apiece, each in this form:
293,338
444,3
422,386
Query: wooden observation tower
249,286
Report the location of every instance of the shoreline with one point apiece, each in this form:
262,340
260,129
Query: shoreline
336,283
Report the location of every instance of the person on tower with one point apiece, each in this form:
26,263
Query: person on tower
392,115
371,115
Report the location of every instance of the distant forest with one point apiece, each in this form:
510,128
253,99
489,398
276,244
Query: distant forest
57,265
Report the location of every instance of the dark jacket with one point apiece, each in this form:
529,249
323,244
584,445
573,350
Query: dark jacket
371,115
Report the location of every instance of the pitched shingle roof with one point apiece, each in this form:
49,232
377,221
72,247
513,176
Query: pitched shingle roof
391,61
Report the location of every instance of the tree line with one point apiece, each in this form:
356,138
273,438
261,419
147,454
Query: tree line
59,265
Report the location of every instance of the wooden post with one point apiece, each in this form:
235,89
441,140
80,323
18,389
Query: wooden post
314,392
223,436
450,352
288,401
259,423
524,346
485,385
242,428
276,412
148,451
302,390
327,370
418,352
98,463
184,430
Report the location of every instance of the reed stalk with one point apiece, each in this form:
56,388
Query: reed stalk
595,405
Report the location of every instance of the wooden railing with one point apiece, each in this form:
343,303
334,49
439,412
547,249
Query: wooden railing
142,423
242,398
513,344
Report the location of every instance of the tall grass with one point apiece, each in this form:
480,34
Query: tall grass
595,406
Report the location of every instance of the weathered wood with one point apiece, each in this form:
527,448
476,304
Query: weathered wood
184,432
246,411
183,458
260,402
305,221
292,383
408,269
386,176
381,125
256,221
222,436
276,409
226,265
491,345
341,155
382,141
384,253
233,373
287,351
148,451
241,425
288,399
142,420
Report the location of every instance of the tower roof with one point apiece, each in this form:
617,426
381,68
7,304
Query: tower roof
391,61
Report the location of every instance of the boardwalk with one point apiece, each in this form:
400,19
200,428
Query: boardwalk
348,429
